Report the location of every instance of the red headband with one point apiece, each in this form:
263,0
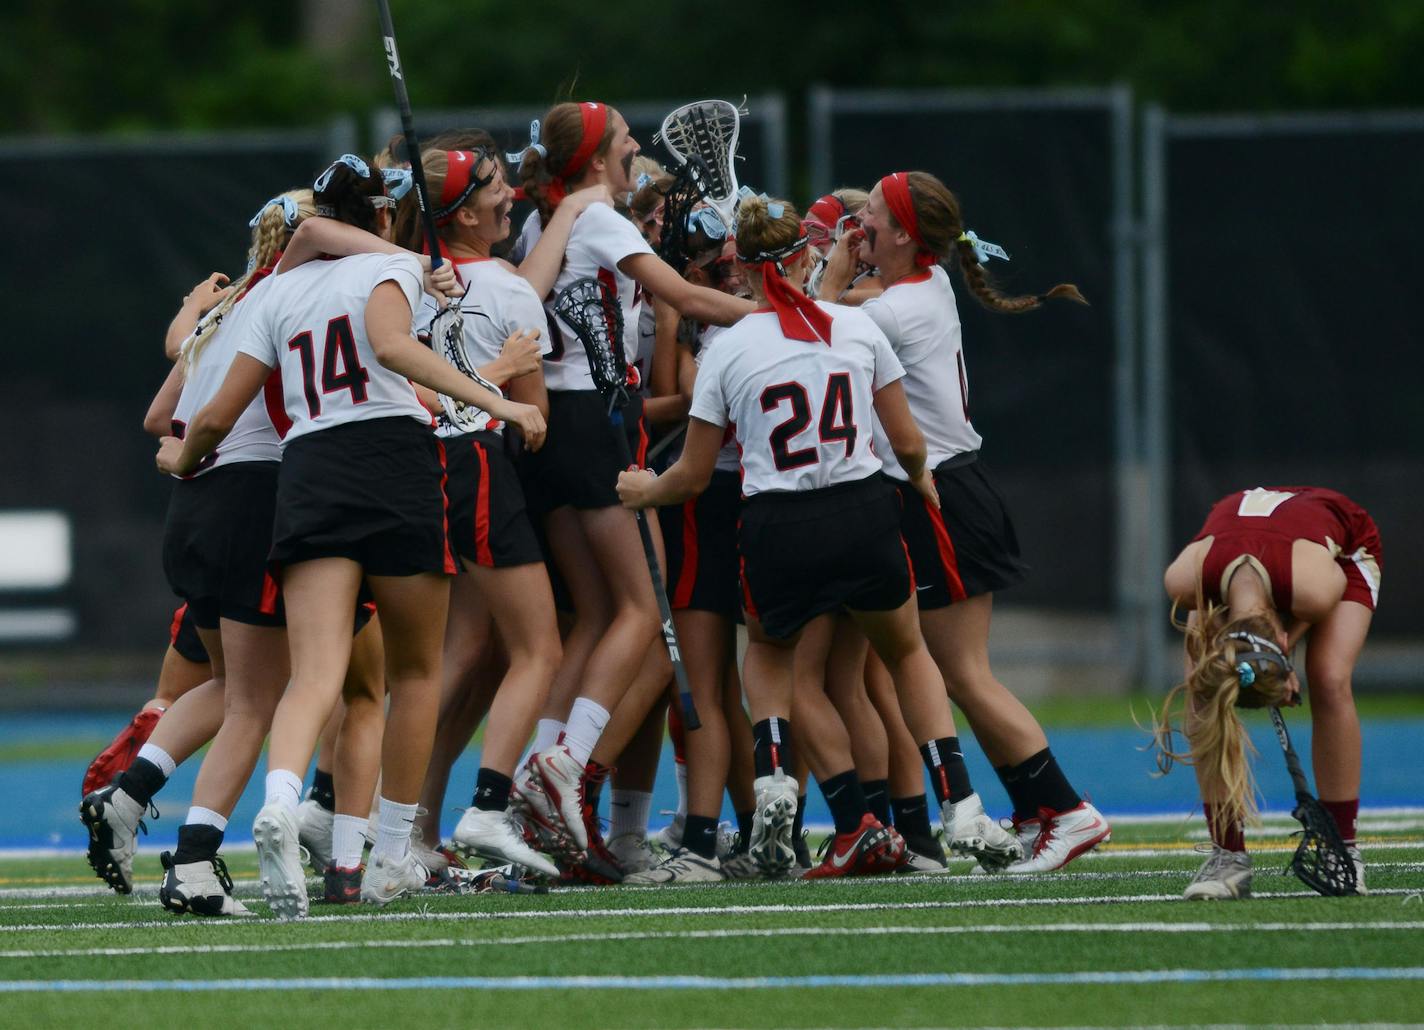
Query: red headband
595,124
896,190
459,169
801,317
828,210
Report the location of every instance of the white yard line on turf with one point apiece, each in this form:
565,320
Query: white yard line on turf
697,935
703,983
688,910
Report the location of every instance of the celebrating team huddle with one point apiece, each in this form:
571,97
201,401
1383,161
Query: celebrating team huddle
412,451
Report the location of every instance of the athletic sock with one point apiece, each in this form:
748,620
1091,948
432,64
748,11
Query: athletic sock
912,816
594,777
348,840
197,842
771,746
744,831
491,790
628,812
877,796
1014,788
699,835
948,774
1345,814
323,789
586,722
846,799
680,774
142,780
546,735
393,830
1232,838
155,754
799,823
284,788
1042,784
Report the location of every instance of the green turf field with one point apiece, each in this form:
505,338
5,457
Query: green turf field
1107,943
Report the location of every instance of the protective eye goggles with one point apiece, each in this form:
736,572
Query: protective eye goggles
351,161
1250,664
708,222
398,182
290,214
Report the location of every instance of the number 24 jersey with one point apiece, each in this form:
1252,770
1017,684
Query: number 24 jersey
802,412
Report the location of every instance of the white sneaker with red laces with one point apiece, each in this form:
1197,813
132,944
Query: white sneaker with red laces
1064,837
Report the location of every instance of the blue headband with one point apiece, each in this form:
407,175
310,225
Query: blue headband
290,213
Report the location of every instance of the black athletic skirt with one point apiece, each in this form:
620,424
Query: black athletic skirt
806,554
368,491
580,460
489,523
216,541
701,540
183,635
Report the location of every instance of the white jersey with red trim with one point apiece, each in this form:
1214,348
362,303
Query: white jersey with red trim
729,458
919,317
311,324
600,239
252,437
529,234
497,303
802,411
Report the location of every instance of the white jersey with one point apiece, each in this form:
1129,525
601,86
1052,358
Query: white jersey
642,357
729,458
497,303
252,437
529,234
920,319
311,326
802,411
600,239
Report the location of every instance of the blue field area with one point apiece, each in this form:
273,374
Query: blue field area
42,797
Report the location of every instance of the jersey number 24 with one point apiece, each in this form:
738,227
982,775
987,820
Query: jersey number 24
837,420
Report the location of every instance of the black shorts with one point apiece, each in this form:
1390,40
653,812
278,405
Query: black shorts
701,540
183,635
966,548
368,491
806,554
488,521
580,460
215,545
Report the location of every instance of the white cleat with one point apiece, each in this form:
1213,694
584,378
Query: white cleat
972,834
494,837
314,833
1064,837
633,852
682,866
1359,861
561,779
772,820
279,862
1027,831
1224,876
113,820
202,888
389,878
669,838
740,866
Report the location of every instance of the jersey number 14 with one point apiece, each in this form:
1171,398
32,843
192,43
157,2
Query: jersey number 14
340,364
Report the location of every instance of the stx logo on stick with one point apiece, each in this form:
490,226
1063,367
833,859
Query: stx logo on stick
393,58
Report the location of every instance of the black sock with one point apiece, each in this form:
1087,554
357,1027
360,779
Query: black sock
491,790
323,789
948,774
799,823
1042,785
142,780
912,816
771,746
877,796
744,831
699,835
197,842
1013,786
847,800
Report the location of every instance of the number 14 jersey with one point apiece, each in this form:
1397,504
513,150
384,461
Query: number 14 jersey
802,412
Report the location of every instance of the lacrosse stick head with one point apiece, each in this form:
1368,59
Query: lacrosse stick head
447,338
708,129
591,309
688,188
1321,860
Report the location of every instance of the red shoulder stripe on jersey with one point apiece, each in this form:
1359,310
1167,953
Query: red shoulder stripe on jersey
687,575
276,404
482,511
947,558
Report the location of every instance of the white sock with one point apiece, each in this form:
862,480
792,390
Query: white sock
680,769
586,721
546,735
393,830
284,788
205,817
628,812
348,840
155,754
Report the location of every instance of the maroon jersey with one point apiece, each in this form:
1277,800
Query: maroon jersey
1257,527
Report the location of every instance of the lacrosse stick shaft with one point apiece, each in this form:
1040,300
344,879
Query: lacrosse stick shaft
1297,774
679,671
412,144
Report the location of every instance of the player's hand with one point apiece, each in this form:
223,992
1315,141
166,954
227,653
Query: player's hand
520,353
442,283
170,455
582,200
925,484
635,486
208,294
527,417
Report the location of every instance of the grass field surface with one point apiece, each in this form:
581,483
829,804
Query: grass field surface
1109,942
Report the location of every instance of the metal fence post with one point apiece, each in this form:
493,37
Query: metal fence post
1156,395
819,138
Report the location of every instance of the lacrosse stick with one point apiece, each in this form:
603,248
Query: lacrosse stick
591,310
708,129
685,193
447,332
1321,861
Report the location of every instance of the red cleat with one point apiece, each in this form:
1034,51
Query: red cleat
866,851
119,755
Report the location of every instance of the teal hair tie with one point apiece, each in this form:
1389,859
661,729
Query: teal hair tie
1246,673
